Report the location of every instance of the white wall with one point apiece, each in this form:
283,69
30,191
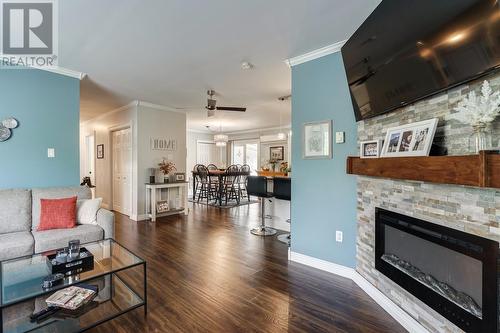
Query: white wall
158,123
102,127
146,121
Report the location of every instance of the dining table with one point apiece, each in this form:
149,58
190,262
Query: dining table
220,174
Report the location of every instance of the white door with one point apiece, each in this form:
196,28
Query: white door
90,157
207,153
122,161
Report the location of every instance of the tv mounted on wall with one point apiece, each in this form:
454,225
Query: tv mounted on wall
409,50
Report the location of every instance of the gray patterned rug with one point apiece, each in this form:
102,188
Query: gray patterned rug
230,203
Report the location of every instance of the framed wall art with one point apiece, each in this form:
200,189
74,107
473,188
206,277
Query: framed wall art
100,152
277,153
317,140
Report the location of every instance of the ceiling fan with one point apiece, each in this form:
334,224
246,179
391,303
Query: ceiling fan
212,105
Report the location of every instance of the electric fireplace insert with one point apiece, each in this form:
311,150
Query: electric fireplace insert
453,272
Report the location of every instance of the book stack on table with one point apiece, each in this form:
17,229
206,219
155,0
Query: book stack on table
68,302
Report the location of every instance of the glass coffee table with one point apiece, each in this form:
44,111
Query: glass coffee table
119,275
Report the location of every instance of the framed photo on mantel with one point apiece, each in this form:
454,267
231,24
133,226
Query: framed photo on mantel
317,140
410,140
370,149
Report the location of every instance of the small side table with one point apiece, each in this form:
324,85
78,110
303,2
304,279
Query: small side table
154,191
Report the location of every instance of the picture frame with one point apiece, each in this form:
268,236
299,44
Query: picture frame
100,152
277,153
413,139
317,140
162,206
179,177
370,149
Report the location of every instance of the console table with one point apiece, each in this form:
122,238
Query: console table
154,194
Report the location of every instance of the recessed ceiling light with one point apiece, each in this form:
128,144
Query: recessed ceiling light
245,65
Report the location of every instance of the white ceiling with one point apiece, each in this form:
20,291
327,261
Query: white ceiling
170,52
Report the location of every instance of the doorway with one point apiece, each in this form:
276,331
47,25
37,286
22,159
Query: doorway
246,152
208,153
121,142
89,159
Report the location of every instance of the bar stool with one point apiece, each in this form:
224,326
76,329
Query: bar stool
282,189
257,187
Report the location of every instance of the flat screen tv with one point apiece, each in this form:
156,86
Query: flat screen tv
407,50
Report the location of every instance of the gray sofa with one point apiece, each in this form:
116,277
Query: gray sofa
20,216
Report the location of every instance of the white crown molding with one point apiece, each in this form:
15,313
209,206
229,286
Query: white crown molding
64,71
108,113
407,321
132,104
58,70
257,130
194,130
324,51
159,107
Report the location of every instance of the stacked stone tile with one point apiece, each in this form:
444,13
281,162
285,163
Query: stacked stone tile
472,210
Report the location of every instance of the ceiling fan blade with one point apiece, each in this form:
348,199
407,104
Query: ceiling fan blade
231,108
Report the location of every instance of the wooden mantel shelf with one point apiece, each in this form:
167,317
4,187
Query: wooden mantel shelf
481,170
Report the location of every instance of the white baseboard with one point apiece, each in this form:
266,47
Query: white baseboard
139,217
407,321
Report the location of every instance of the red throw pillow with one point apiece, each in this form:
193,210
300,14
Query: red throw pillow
57,214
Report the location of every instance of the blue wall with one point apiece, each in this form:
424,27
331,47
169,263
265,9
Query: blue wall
323,195
47,106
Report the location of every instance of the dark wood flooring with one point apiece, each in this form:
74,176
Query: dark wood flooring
207,273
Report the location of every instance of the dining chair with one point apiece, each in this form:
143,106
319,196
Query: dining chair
214,179
208,189
230,185
242,181
196,181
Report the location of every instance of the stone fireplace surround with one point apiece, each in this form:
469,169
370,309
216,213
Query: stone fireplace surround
468,209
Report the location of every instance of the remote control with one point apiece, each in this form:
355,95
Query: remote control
40,315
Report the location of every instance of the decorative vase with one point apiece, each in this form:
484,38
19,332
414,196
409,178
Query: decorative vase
480,139
166,179
171,177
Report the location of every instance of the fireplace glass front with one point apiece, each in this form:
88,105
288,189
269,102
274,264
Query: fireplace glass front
451,271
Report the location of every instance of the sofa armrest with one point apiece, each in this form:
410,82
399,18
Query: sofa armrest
106,220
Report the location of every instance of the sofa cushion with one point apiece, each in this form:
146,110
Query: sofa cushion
59,238
86,211
81,192
57,214
16,244
15,210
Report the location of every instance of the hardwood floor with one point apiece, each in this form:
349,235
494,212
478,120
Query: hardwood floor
207,273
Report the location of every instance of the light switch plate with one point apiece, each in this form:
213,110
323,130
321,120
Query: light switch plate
340,137
51,153
339,236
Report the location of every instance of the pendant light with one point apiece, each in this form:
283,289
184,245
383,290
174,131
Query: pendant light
220,139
